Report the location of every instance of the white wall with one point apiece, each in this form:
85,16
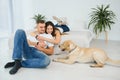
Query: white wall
5,20
23,13
76,11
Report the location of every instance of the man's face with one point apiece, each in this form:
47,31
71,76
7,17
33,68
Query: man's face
41,28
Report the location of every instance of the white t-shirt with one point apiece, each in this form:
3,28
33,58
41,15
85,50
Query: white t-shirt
48,44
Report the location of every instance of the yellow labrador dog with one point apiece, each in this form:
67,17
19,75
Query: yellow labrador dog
83,55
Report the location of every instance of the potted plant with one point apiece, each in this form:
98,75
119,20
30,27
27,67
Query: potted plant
39,17
101,20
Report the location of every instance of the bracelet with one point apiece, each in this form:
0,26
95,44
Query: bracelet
37,43
36,36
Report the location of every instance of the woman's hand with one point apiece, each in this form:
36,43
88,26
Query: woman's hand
39,47
42,44
39,38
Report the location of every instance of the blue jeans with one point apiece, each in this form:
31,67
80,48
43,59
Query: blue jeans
64,27
33,58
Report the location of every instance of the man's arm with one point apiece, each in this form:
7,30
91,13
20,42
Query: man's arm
50,47
51,40
31,43
48,51
41,43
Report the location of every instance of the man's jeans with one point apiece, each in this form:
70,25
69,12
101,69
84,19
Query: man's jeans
32,57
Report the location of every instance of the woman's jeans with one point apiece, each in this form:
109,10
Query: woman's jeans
33,58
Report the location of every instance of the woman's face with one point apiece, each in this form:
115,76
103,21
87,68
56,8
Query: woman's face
49,29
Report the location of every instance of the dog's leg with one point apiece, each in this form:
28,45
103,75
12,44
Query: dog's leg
67,61
100,65
99,62
65,57
99,59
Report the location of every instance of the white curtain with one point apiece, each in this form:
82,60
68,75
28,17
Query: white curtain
5,18
11,16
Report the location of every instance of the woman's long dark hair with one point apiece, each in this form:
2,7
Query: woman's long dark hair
51,24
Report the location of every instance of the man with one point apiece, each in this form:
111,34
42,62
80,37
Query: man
34,57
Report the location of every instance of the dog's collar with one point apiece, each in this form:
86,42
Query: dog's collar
73,49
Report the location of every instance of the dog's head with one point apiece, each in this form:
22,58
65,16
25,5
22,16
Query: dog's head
67,45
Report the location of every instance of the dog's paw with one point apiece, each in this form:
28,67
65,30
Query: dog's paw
54,60
96,66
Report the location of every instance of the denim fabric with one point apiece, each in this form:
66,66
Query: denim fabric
33,58
64,27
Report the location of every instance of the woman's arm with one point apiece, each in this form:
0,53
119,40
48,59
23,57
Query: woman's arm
54,41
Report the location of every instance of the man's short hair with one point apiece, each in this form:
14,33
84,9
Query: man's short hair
40,21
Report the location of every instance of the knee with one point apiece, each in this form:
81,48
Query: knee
20,32
47,62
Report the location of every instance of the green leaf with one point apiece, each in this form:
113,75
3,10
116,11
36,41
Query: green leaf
39,17
101,19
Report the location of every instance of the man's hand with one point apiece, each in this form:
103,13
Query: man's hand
48,51
39,47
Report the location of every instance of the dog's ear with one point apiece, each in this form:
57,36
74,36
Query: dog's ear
72,45
67,43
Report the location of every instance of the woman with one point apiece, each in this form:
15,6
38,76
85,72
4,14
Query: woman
55,32
50,29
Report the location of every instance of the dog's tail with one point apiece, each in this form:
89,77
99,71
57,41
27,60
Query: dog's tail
113,62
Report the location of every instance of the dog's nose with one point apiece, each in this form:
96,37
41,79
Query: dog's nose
63,49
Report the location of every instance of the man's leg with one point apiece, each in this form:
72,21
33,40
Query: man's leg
19,42
9,64
38,60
